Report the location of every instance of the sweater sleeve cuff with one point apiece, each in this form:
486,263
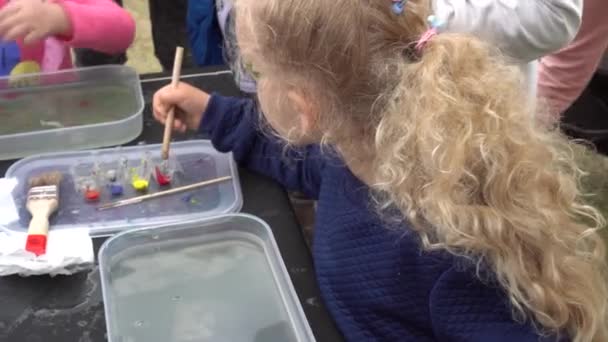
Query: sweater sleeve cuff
102,26
213,113
231,124
69,37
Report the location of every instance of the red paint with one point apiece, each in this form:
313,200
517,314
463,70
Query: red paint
161,178
36,243
91,195
84,104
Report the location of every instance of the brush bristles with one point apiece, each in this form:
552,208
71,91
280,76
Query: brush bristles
45,179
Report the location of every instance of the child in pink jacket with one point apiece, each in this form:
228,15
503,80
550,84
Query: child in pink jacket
36,35
564,75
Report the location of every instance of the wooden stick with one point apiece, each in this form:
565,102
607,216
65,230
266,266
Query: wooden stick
177,68
142,198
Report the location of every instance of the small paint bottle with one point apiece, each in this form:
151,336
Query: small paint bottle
116,189
140,177
91,191
163,174
166,171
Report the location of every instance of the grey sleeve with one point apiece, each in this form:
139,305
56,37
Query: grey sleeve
523,29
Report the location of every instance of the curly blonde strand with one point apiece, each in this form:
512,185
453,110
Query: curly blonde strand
480,179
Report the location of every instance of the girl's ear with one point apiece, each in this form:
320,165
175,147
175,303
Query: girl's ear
306,110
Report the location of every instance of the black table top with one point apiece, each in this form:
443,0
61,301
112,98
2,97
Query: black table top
70,308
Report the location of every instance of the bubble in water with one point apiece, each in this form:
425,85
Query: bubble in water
176,298
138,323
75,212
155,237
82,324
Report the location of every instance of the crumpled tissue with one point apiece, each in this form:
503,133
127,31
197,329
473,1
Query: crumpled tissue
68,250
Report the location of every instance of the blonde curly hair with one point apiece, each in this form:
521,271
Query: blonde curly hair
453,146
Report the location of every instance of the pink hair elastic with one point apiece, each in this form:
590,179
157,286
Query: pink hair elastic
429,34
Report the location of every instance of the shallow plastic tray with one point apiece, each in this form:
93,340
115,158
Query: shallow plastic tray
199,160
69,110
219,279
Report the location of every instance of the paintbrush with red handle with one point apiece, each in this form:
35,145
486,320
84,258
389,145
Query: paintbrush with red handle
42,202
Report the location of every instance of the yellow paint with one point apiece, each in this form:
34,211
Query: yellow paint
139,184
28,67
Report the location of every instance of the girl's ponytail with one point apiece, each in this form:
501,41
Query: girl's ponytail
459,155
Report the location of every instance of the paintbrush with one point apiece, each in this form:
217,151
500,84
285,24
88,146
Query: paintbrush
177,68
161,172
139,199
42,201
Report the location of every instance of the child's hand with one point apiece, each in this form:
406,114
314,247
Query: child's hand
32,20
189,104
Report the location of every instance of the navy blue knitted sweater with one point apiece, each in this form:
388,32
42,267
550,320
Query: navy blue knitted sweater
375,280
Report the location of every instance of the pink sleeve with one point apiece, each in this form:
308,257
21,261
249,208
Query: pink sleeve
564,75
101,25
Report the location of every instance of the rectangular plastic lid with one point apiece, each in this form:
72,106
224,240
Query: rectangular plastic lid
219,279
198,159
69,110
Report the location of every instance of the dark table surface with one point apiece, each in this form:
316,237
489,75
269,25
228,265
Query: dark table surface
70,308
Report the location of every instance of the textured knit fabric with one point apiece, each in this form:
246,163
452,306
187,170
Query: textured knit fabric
374,278
101,25
564,75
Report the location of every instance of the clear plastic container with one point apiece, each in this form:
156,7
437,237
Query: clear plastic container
69,110
219,279
198,160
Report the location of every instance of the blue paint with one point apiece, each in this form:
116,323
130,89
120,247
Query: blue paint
116,190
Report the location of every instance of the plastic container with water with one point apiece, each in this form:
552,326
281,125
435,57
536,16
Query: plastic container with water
69,110
199,162
218,279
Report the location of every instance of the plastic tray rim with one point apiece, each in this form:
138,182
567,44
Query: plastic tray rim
139,112
110,230
291,292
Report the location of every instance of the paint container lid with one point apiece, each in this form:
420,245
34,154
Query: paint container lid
216,279
69,110
198,159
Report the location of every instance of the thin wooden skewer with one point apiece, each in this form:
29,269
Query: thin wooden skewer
142,198
177,68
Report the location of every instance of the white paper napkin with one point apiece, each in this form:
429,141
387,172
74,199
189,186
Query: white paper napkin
8,210
67,252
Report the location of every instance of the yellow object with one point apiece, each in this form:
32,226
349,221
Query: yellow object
18,76
140,184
